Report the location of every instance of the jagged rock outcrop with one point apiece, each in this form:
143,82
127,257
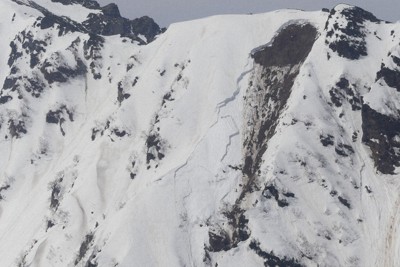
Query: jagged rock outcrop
110,22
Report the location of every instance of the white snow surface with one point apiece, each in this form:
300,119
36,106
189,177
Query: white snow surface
163,215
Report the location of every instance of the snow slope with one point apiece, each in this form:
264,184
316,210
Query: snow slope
243,140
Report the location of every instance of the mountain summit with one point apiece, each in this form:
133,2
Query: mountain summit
237,140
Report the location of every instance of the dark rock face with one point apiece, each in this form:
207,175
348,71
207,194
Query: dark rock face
9,83
277,66
63,25
348,40
59,116
92,51
282,59
32,85
219,241
92,47
154,148
272,192
344,201
86,3
222,240
85,246
344,150
111,10
14,55
396,60
344,91
58,72
146,26
17,128
112,132
5,99
56,195
327,140
290,47
110,22
270,259
391,77
121,94
25,42
4,188
382,134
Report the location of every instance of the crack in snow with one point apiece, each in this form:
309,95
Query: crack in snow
230,99
229,144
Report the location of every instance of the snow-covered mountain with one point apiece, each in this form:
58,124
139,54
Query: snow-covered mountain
243,140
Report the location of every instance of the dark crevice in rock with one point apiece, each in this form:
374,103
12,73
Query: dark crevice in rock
119,133
56,194
96,130
154,148
121,94
87,242
59,117
167,98
49,225
327,140
17,128
368,189
110,131
92,262
344,150
92,51
271,192
92,47
344,201
270,259
3,188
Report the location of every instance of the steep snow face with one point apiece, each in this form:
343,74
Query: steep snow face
251,140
